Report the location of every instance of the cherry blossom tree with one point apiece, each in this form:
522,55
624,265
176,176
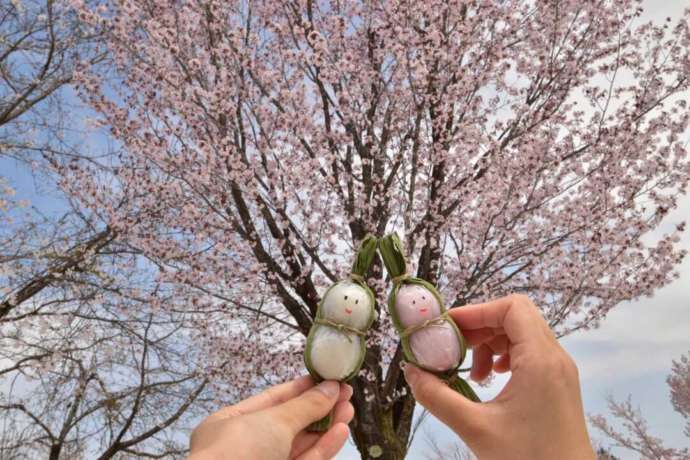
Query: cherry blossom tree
603,454
636,435
41,41
88,368
679,383
518,147
87,383
40,44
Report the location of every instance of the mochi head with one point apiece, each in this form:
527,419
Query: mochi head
347,303
415,304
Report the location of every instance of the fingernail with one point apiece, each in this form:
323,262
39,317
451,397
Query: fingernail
411,374
329,388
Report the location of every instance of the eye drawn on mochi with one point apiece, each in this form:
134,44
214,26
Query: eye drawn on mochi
349,310
416,304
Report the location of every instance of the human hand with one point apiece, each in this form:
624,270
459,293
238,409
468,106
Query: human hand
538,414
271,425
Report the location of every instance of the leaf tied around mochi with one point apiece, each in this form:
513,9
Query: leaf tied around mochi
393,255
360,266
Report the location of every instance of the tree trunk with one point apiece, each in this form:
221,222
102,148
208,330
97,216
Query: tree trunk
381,432
55,450
381,429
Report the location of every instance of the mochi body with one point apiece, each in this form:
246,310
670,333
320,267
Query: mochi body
334,355
436,347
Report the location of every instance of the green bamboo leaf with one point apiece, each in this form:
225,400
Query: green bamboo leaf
460,385
365,255
321,425
393,255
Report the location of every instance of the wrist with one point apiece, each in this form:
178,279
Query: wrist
567,450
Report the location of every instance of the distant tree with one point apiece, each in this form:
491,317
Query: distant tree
452,451
635,435
88,367
679,382
41,44
604,454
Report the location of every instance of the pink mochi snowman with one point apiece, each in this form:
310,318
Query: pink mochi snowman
436,347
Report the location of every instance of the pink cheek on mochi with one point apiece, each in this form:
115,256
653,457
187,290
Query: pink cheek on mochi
414,305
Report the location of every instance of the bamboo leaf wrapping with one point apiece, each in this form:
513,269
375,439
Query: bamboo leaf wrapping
336,344
430,339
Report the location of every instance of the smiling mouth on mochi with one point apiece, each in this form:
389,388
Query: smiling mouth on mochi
423,310
348,311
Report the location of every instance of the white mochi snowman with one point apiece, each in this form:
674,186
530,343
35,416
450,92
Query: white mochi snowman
336,353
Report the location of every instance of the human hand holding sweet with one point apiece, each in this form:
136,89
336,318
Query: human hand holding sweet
538,414
271,425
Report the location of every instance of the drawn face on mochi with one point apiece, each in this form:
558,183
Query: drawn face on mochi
347,303
415,304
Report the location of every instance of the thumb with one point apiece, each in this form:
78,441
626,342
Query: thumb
310,406
463,416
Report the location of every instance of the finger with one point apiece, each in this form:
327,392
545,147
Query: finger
516,314
345,392
498,344
310,406
343,412
502,364
329,444
453,409
302,442
475,337
482,362
270,397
